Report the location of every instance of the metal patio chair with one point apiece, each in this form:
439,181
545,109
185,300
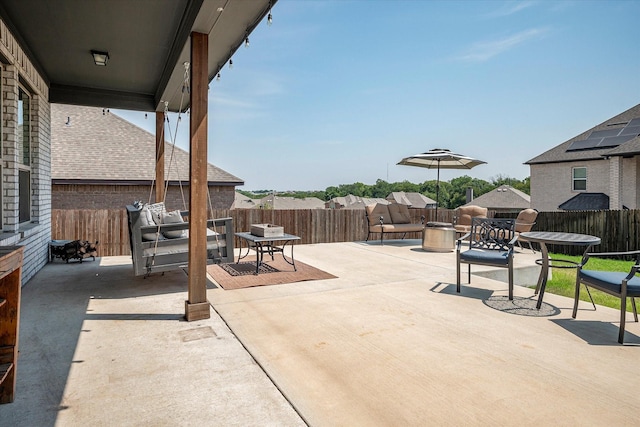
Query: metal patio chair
619,284
490,243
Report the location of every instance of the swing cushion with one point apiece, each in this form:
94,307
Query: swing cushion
146,219
173,217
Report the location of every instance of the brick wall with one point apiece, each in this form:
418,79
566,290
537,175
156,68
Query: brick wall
551,184
34,235
117,196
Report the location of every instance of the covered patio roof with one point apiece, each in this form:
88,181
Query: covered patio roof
147,42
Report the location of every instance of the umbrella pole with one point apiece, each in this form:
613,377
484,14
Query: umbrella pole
438,190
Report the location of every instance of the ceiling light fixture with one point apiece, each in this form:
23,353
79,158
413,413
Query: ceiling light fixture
230,64
100,58
218,77
246,42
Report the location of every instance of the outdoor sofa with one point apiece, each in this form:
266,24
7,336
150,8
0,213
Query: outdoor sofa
391,218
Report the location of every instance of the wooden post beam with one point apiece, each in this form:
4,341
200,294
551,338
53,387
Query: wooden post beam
196,306
159,156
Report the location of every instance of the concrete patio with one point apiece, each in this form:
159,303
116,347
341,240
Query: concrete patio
388,342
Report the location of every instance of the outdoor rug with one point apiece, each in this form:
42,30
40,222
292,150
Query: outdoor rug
276,272
247,268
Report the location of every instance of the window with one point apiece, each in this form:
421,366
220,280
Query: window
24,155
579,179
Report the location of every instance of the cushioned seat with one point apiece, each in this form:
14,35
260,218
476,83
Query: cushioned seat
480,256
160,240
491,243
390,218
464,214
611,281
524,222
619,284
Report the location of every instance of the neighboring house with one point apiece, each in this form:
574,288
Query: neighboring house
504,199
277,202
353,202
101,161
244,202
413,200
599,165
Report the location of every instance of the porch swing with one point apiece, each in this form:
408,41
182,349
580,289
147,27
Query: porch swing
160,239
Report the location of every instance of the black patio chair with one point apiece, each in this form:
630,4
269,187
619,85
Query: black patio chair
491,243
619,284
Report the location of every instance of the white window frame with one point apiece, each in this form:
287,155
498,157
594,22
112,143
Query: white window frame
579,179
24,190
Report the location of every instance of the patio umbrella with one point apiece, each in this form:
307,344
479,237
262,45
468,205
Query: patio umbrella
440,158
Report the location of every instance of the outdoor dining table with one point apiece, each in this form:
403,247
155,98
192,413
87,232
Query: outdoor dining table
555,238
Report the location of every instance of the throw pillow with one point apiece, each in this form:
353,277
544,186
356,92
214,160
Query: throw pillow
399,213
375,211
157,209
172,217
146,220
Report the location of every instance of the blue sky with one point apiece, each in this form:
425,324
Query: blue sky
337,92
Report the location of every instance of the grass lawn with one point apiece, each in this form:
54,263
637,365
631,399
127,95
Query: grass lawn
564,280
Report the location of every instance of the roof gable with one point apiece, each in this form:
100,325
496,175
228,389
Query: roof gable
354,202
561,153
92,144
503,197
414,200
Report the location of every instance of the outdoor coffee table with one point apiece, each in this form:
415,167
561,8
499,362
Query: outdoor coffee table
266,244
556,238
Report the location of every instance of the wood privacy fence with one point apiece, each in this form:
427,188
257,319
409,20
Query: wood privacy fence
109,226
619,230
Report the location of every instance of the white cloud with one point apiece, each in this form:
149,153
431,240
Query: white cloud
510,8
229,102
483,51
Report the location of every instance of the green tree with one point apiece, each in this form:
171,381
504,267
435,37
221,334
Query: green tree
522,185
331,192
459,189
381,189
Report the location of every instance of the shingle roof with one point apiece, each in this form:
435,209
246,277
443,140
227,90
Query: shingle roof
105,147
503,197
278,202
586,202
414,200
354,202
244,202
559,153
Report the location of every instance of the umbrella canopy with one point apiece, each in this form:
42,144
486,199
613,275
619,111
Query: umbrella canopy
440,158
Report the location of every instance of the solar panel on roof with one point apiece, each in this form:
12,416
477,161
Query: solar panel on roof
608,138
584,144
614,141
631,130
604,133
